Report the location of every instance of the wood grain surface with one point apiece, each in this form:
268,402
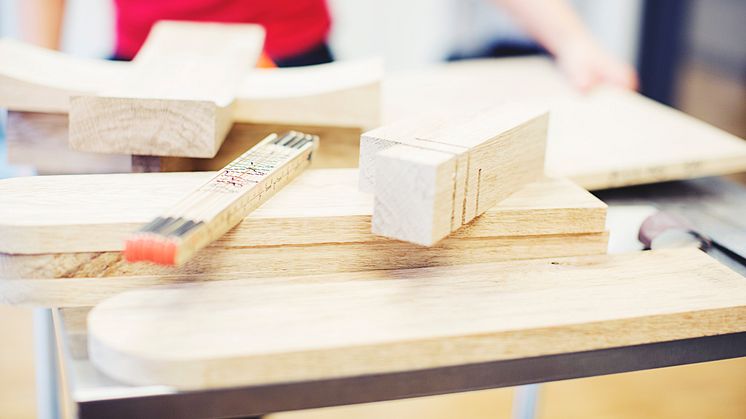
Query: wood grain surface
82,279
177,98
94,213
34,79
317,224
430,177
606,138
387,321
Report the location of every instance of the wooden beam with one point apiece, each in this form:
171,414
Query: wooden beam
387,321
86,219
177,99
430,177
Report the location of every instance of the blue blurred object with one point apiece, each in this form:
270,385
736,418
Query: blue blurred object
6,170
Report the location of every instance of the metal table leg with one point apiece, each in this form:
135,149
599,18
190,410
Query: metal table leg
525,401
45,354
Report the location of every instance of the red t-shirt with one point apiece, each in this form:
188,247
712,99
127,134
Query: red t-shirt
292,26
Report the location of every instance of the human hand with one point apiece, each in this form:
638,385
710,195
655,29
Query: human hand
586,64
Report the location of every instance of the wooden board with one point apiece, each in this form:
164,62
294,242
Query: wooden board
431,177
177,98
34,79
607,138
61,228
315,258
232,333
82,279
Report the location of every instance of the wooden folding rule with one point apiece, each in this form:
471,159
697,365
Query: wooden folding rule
430,176
215,207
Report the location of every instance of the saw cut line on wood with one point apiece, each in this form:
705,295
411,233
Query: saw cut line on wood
430,176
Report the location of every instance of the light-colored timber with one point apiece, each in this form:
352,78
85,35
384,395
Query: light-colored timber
218,205
83,279
34,79
432,176
176,99
321,221
603,139
94,213
387,321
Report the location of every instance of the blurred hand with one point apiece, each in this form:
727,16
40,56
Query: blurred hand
586,64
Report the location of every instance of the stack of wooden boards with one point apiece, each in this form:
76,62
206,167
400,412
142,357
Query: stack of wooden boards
193,77
301,290
74,226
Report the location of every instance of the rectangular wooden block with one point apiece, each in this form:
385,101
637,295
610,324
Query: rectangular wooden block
177,97
428,174
420,205
330,326
187,128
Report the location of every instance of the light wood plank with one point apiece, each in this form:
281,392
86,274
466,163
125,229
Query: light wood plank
177,98
410,319
34,79
606,138
94,213
263,261
434,176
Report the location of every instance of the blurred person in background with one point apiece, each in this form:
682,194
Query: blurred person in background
297,31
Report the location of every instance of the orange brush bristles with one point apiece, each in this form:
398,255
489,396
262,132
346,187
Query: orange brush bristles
149,248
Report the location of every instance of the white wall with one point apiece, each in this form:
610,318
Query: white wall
414,33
